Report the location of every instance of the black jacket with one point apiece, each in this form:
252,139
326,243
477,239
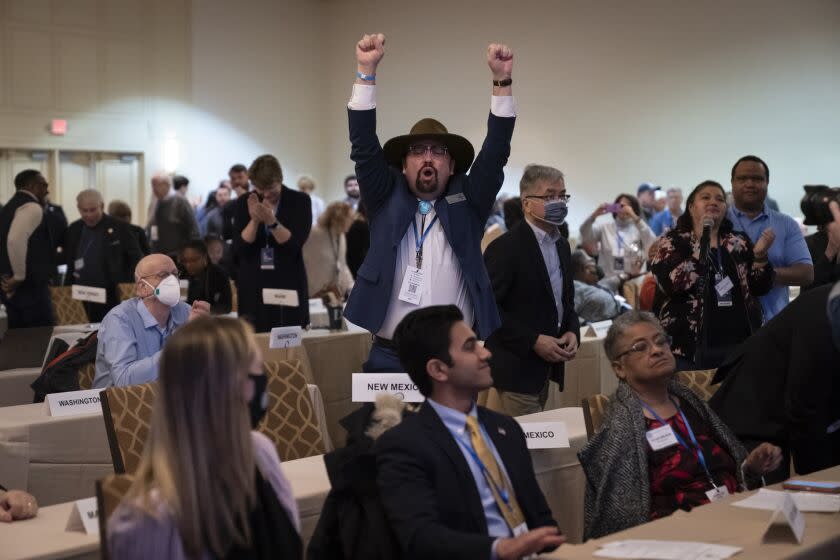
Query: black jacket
213,286
781,385
526,305
289,273
120,251
430,495
139,235
825,272
39,254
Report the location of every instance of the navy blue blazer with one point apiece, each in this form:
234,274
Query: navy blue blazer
391,206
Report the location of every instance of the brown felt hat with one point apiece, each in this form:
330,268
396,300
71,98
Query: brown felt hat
429,129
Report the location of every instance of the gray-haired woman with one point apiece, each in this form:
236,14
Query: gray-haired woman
661,448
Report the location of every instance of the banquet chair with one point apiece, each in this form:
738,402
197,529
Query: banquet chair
290,421
109,493
68,311
699,381
127,412
594,408
86,374
125,291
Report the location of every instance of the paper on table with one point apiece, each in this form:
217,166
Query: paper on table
771,500
666,550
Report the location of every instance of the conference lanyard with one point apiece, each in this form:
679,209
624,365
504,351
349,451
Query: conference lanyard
619,241
501,491
420,239
698,450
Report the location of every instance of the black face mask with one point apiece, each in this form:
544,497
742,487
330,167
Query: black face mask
257,405
599,272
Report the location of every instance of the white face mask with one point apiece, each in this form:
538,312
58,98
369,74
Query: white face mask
168,292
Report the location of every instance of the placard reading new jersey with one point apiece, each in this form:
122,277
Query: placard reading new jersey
285,337
88,293
73,403
84,517
289,298
367,386
545,435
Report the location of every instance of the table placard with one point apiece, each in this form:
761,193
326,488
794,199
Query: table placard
88,293
285,337
545,435
74,403
367,386
598,329
787,523
288,298
84,517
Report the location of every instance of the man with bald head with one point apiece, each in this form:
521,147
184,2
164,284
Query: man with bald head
172,221
99,251
133,333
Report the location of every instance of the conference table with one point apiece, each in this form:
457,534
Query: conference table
721,523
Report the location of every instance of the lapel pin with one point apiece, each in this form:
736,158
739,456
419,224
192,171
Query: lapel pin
502,431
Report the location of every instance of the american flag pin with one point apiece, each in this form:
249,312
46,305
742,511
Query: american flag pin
502,431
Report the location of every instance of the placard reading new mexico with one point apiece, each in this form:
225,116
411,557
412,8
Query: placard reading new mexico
367,386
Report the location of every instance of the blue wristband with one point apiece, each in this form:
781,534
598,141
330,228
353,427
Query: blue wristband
366,77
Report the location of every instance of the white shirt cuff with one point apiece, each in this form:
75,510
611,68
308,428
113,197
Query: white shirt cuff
503,105
363,98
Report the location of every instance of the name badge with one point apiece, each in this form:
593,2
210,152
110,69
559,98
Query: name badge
723,287
545,435
74,403
520,529
79,263
412,285
367,386
153,233
661,437
288,298
456,198
285,337
618,263
84,517
88,293
267,258
717,493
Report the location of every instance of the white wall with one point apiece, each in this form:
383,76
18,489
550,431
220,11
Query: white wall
613,93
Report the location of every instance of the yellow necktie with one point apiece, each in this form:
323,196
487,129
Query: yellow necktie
499,485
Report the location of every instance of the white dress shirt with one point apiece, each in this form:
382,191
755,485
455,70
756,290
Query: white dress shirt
548,247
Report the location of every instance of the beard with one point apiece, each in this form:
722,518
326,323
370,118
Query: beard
425,184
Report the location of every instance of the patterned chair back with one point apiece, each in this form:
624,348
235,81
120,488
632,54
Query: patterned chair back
594,408
86,374
68,311
700,382
128,413
234,299
125,291
290,420
109,493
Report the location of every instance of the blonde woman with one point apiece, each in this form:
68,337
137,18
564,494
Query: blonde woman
325,252
207,486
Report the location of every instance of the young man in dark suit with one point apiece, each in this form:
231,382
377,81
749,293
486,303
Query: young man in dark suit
426,213
456,480
530,269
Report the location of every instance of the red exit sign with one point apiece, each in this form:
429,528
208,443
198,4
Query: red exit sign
58,127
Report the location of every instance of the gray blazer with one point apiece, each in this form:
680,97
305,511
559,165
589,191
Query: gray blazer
616,461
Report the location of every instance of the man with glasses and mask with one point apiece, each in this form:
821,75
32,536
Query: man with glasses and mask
426,214
530,269
133,333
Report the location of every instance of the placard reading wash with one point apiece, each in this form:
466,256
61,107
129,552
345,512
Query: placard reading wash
73,403
367,386
545,435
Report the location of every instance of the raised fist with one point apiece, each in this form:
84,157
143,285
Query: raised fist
500,60
369,52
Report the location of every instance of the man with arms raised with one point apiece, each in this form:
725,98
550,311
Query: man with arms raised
456,479
133,333
426,214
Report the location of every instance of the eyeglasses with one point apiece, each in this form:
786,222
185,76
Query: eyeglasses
551,197
644,346
421,149
161,275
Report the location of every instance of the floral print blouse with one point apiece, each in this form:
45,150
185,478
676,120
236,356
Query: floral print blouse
677,268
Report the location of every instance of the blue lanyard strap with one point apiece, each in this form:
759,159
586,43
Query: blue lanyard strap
618,240
696,446
420,239
500,490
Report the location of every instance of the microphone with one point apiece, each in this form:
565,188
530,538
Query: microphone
708,221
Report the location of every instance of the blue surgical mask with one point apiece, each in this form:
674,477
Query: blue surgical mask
555,212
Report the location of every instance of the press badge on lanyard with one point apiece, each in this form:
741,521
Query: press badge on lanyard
723,284
267,258
618,261
413,281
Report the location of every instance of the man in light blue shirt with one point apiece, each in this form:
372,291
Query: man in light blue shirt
789,254
667,219
456,480
132,334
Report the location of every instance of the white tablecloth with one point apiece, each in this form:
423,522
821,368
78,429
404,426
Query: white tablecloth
43,537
